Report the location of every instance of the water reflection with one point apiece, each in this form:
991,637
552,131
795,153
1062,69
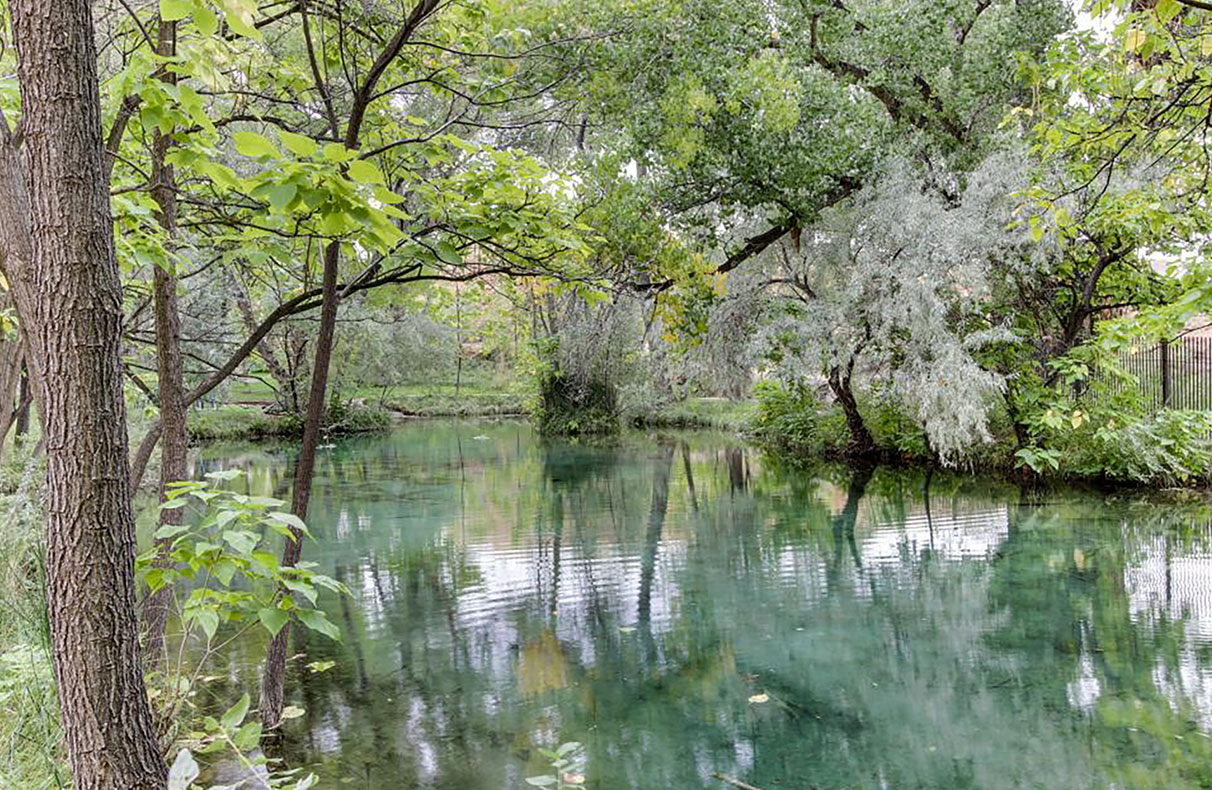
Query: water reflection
907,631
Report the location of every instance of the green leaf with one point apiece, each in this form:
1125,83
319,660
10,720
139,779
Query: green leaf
365,172
384,195
183,772
273,619
298,144
335,152
171,11
1167,9
224,571
334,223
540,781
209,620
281,195
240,18
255,145
235,714
317,621
265,501
206,20
290,519
227,474
240,540
170,531
248,736
449,254
292,712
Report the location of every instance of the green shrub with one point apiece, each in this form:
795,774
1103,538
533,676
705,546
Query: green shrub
893,428
791,418
572,407
1170,447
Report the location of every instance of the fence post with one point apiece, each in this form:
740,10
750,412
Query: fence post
1165,373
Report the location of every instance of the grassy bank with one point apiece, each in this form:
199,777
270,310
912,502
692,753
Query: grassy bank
719,414
242,421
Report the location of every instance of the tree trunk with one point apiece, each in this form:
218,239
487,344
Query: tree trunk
287,398
25,400
273,676
11,356
861,442
69,299
174,439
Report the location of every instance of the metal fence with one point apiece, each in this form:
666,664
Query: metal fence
1172,375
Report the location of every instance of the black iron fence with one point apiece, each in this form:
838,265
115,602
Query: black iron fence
1172,375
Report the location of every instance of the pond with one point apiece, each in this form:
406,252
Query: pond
686,608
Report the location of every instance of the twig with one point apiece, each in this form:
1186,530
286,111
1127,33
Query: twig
733,781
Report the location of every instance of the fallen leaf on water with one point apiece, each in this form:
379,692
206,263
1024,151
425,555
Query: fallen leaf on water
760,698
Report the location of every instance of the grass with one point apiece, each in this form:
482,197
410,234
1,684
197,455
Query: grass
482,390
239,421
714,413
31,750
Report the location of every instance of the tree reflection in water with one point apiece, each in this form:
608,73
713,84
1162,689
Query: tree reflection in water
510,594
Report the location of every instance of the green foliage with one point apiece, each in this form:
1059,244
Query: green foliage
792,418
1170,447
233,576
232,733
567,767
31,739
571,406
893,427
711,413
1096,426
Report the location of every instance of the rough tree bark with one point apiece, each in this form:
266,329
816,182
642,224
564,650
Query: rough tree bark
174,439
69,298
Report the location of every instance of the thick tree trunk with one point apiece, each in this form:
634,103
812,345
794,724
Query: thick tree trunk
70,301
173,449
861,442
273,676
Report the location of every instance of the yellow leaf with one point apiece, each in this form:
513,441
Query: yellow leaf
1134,40
758,698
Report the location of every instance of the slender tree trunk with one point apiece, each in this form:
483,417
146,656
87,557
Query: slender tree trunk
273,676
25,401
11,356
286,383
861,442
173,448
69,298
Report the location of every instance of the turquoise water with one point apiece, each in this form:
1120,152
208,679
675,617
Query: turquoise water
685,607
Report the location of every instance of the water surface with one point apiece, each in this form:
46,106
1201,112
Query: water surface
684,608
